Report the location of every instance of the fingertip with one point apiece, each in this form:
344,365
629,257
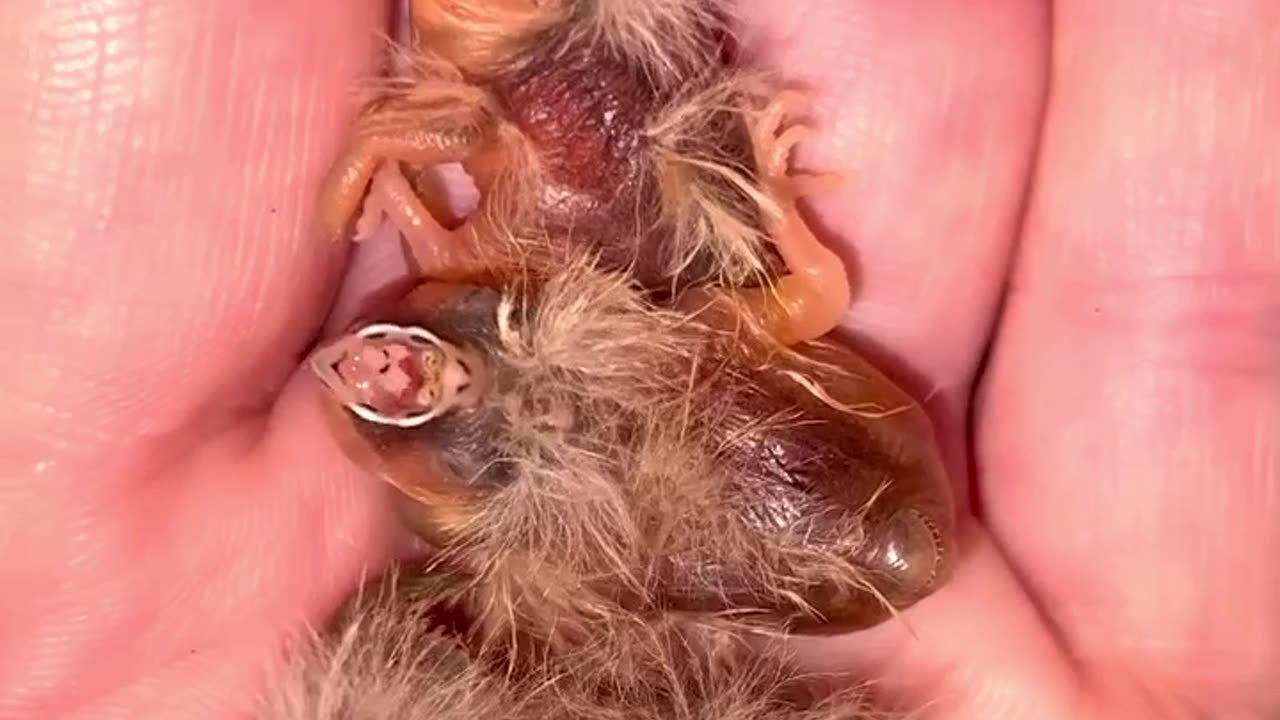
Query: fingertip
162,195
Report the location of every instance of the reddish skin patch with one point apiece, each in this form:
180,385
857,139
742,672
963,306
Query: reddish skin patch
170,506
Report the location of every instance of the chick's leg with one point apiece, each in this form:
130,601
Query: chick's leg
378,140
813,297
431,250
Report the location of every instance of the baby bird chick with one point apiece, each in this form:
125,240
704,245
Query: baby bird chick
609,409
610,126
581,451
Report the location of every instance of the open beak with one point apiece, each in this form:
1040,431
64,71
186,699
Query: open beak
331,363
324,364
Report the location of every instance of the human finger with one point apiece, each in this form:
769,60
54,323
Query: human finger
931,110
1131,433
163,161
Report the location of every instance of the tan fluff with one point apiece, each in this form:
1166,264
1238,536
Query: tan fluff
390,658
711,202
612,426
666,39
386,659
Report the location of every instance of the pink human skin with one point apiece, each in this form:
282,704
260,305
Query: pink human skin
169,506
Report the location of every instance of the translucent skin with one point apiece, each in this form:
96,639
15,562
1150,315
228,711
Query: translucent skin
171,507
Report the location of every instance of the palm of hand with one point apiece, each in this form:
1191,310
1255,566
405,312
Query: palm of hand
172,506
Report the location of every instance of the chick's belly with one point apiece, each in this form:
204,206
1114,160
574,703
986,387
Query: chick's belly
774,534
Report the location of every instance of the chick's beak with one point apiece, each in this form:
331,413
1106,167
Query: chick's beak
324,362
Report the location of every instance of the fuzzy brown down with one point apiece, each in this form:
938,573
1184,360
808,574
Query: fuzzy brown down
630,456
390,656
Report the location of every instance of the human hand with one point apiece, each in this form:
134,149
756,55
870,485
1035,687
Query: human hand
172,506
169,499
1101,173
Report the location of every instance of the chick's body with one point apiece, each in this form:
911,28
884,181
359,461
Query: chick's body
633,467
580,137
633,457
